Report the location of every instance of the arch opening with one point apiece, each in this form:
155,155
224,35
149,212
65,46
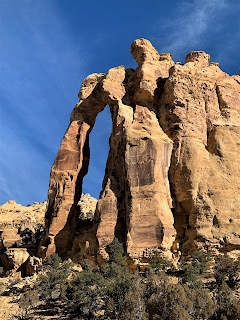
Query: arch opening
99,149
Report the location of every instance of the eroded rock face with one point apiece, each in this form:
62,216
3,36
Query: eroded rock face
21,231
172,178
21,225
87,206
13,258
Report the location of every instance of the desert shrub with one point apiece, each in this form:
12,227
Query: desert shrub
194,267
203,306
52,261
1,288
172,302
104,290
227,305
26,302
119,279
134,307
159,262
118,282
226,270
190,275
39,233
199,261
165,300
85,293
154,283
53,276
116,253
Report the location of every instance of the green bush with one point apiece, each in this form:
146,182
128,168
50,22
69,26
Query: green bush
113,292
52,261
85,292
170,302
1,288
116,253
52,277
199,261
227,305
27,301
159,262
134,306
226,270
104,290
203,306
194,267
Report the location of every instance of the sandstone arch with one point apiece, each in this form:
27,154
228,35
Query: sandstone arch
171,124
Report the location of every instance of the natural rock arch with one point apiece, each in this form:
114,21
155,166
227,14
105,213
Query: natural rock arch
165,116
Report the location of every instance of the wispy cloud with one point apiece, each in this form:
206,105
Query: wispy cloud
190,24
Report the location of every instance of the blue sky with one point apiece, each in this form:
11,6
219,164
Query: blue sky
47,47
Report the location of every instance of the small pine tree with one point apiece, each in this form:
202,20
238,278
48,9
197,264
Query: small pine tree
116,253
52,261
194,267
159,262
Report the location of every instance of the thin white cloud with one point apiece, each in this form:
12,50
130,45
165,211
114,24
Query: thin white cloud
192,22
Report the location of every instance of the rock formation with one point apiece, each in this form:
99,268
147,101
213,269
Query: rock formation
21,230
172,179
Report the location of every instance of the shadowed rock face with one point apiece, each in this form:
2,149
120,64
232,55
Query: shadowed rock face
172,178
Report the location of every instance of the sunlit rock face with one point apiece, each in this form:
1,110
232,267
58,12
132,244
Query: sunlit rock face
172,179
21,231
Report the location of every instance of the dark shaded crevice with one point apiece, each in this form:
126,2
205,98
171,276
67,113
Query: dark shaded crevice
157,95
165,122
128,82
237,80
160,88
216,222
180,218
124,201
219,101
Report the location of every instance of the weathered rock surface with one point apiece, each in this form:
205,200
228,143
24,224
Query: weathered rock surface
172,179
87,206
13,258
21,230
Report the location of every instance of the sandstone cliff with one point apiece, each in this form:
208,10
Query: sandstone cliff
172,179
21,230
23,227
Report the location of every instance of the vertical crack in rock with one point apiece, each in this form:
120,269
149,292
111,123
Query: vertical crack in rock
172,175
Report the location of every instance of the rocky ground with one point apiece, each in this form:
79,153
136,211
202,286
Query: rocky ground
177,287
